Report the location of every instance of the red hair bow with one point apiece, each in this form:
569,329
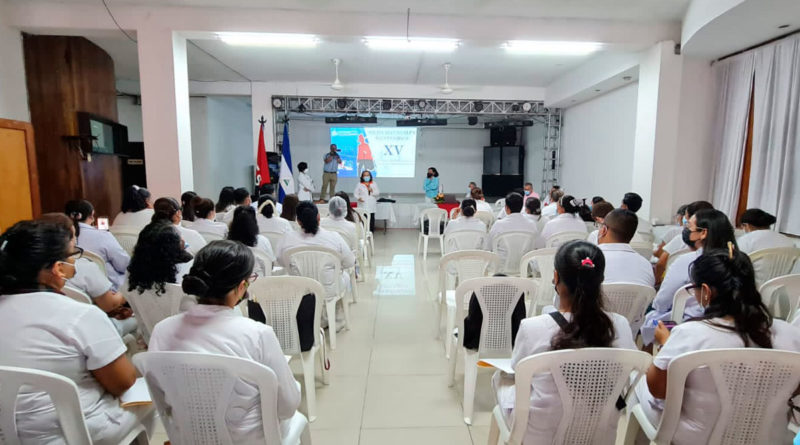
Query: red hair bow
587,262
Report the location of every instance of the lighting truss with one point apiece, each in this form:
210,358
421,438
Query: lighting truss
361,105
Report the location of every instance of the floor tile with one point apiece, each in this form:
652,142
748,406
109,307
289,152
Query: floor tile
348,436
340,404
410,401
417,436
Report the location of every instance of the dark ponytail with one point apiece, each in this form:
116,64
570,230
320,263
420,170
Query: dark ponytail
729,273
266,210
307,213
581,266
187,198
217,269
78,210
27,248
533,205
468,207
570,204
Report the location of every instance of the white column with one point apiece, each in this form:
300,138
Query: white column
165,111
655,167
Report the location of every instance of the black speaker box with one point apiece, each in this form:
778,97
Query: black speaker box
500,136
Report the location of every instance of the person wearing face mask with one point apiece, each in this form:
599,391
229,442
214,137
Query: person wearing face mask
623,264
599,212
69,338
677,242
366,193
431,184
219,279
722,282
707,229
528,191
305,185
756,224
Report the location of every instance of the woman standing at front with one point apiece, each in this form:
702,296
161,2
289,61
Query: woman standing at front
431,185
366,193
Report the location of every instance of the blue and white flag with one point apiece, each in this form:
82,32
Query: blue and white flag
286,179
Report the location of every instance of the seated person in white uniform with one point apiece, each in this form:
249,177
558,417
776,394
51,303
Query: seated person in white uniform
723,283
186,207
466,219
241,197
707,229
160,257
352,215
633,202
337,211
168,209
225,203
513,222
599,212
550,209
756,224
677,244
100,242
66,337
137,209
673,231
205,218
623,264
533,211
579,273
567,220
219,279
289,212
244,229
480,201
268,218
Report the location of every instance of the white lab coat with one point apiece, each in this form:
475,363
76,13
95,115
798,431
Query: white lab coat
275,224
341,224
762,239
135,220
624,265
483,206
104,244
515,222
370,202
565,222
305,187
465,223
203,225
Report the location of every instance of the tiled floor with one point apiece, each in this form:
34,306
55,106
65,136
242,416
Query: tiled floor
389,381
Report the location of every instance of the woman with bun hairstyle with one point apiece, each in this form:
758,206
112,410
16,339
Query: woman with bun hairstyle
723,284
40,328
219,278
137,209
579,322
567,219
756,224
159,257
101,242
466,219
205,217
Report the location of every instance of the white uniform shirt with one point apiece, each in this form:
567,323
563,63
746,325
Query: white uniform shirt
565,222
676,277
701,405
515,222
340,224
592,238
275,224
762,239
304,182
624,265
370,202
89,278
194,241
675,244
671,233
218,330
134,220
465,223
107,247
322,238
70,339
483,206
550,210
534,337
203,225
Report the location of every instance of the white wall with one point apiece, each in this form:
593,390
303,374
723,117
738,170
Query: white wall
13,90
130,115
597,143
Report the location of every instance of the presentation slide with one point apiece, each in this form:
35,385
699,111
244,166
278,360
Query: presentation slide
388,152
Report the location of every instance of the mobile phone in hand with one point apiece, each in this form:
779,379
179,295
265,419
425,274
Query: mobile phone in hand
669,324
102,223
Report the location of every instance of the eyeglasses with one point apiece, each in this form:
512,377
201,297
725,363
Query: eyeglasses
692,290
251,278
78,254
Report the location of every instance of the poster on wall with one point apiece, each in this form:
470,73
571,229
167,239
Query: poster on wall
388,152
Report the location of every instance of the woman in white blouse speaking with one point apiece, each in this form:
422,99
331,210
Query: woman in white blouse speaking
66,337
219,278
366,194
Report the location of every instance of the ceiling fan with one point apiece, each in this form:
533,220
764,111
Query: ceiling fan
445,89
337,84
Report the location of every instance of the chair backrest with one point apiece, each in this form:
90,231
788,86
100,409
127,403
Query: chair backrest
279,298
151,308
453,213
589,383
63,393
96,259
591,226
545,263
557,239
643,248
319,263
771,263
753,386
676,255
274,238
464,240
497,297
263,264
76,294
211,236
629,300
365,216
192,393
486,217
324,210
679,300
126,237
348,238
499,204
467,264
511,246
781,295
435,217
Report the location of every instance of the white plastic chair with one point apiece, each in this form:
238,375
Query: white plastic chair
753,386
96,259
352,243
499,205
781,295
322,264
466,264
435,218
557,239
263,264
511,247
629,300
76,294
150,308
645,237
544,293
676,255
279,298
126,236
771,263
497,297
274,238
464,240
453,213
487,218
191,392
365,219
679,300
363,248
63,393
211,236
643,248
589,383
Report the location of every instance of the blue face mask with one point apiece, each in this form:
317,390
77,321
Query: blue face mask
366,178
527,192
684,221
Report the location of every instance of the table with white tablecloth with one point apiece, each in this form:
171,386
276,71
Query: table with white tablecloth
403,213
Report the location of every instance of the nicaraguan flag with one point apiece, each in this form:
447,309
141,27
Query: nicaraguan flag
286,180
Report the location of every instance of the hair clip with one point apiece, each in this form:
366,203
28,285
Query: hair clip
3,246
587,262
730,250
135,187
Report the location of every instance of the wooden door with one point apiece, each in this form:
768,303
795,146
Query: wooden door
19,180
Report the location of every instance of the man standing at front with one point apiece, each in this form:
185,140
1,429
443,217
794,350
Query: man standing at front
329,175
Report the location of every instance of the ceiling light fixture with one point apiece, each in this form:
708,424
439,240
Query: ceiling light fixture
268,39
426,44
551,48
